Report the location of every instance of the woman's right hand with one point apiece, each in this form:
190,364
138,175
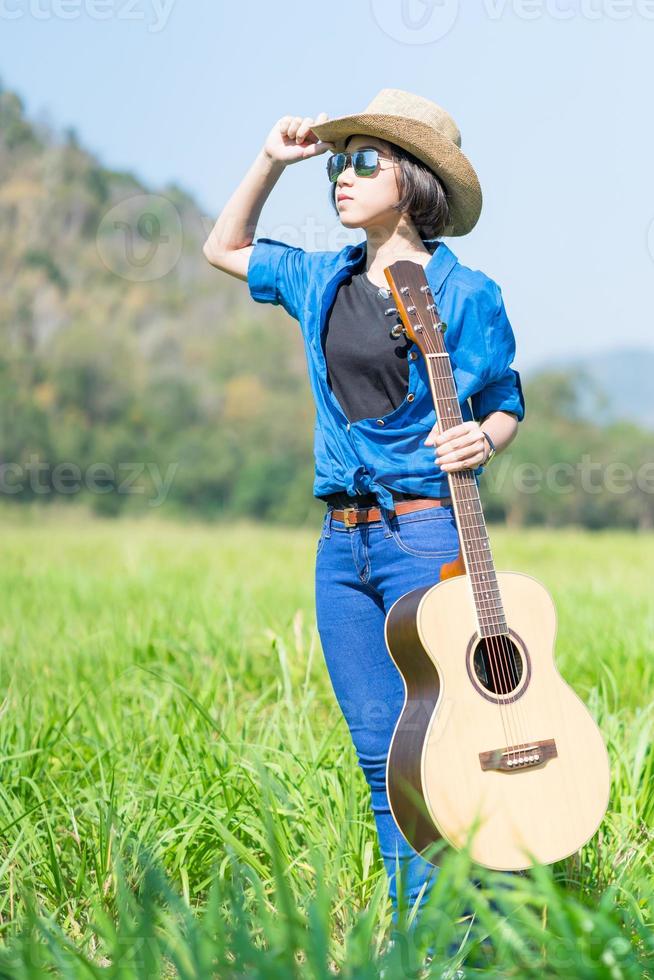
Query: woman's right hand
292,139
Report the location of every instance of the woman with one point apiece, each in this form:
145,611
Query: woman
381,464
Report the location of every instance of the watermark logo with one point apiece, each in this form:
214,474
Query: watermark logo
650,239
140,238
415,21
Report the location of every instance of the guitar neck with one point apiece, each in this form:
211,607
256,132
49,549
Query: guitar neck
464,491
420,321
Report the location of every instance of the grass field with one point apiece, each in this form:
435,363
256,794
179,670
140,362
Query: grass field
179,795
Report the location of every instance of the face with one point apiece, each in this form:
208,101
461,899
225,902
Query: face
367,201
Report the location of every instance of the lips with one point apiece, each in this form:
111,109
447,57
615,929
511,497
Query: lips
343,197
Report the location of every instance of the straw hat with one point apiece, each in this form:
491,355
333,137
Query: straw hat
424,129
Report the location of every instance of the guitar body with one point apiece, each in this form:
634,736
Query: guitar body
517,757
492,749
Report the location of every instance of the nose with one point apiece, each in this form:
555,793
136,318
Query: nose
348,166
339,179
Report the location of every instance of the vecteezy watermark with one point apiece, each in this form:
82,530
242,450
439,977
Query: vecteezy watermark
415,21
592,477
426,21
140,238
568,9
68,478
310,234
154,13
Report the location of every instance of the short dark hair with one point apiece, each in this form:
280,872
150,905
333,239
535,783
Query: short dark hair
422,193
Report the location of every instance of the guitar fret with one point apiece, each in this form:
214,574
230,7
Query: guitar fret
464,487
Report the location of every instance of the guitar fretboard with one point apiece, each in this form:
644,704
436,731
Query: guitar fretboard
475,543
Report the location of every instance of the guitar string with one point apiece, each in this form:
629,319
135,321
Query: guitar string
493,642
498,648
503,643
491,647
501,646
507,659
462,478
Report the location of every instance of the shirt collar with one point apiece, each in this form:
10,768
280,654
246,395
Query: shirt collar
437,269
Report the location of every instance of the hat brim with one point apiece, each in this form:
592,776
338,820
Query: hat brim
435,149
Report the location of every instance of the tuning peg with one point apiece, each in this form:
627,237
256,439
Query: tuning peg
390,311
442,326
397,330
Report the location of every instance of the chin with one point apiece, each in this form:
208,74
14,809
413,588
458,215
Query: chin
348,222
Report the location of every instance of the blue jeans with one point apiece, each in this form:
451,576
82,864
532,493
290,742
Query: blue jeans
360,572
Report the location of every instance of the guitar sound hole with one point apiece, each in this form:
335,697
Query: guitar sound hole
497,664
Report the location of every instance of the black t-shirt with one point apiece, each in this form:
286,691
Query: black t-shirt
367,369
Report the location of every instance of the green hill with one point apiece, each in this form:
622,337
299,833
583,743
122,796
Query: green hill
133,375
121,345
623,378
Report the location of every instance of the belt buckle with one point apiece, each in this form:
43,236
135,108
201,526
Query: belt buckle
349,510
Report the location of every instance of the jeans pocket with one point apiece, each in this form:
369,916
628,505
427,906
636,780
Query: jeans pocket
323,535
433,534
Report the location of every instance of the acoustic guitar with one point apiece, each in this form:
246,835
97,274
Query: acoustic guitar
492,749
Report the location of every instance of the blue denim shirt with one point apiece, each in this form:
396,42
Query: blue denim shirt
378,455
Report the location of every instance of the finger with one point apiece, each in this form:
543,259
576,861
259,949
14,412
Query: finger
459,454
293,127
456,430
432,437
284,123
461,447
462,464
470,439
307,126
463,458
313,149
454,457
304,130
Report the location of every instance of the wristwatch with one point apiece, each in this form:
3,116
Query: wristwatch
493,451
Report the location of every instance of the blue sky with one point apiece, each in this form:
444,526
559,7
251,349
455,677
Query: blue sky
553,99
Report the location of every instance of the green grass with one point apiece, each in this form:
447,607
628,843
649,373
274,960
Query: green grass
179,795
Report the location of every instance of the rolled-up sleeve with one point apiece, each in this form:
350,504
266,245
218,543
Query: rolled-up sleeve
278,274
502,390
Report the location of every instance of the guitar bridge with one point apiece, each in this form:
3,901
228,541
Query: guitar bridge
515,757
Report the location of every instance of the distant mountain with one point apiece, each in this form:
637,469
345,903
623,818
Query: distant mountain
121,345
624,374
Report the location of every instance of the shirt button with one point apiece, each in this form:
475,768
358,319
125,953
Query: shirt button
410,396
348,426
380,421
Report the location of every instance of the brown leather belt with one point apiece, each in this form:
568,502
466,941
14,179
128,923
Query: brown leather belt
363,515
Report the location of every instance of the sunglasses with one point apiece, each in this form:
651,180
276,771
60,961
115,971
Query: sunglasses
364,163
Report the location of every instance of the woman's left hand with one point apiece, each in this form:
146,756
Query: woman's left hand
462,447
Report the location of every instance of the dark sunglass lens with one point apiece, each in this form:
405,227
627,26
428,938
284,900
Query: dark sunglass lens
365,162
335,165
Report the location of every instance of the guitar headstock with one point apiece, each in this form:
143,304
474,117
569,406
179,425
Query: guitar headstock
415,306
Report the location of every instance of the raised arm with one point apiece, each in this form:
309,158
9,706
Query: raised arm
229,244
